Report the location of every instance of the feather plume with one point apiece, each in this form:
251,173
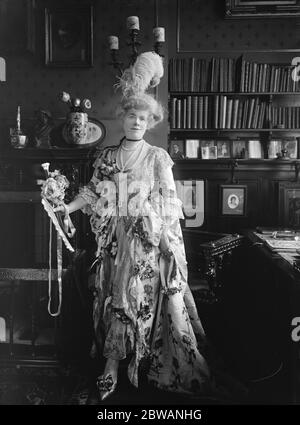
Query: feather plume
145,73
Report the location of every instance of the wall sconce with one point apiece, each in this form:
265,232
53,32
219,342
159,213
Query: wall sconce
133,26
2,69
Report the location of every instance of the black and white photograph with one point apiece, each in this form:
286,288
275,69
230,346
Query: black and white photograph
208,149
192,148
150,209
233,200
239,149
176,149
224,149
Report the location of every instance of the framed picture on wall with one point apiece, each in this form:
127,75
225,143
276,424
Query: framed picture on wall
69,36
289,204
263,8
233,200
176,149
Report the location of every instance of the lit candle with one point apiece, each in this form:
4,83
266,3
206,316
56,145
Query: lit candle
18,119
113,42
133,23
159,34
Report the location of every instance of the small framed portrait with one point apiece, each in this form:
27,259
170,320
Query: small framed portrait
223,149
290,148
192,148
239,149
191,193
274,149
176,149
69,36
255,150
289,204
208,149
233,200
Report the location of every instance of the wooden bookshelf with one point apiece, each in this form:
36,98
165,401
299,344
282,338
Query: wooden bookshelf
234,100
191,93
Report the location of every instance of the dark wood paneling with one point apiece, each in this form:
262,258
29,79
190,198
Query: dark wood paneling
260,177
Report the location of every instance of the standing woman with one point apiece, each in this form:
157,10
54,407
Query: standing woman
143,307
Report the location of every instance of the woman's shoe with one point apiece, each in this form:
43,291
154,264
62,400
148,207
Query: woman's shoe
106,385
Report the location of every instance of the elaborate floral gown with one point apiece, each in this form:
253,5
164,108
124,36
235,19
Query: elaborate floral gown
144,306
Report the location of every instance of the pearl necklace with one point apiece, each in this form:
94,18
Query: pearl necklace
134,157
134,145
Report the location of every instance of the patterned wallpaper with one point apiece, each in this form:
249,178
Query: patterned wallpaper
33,86
208,30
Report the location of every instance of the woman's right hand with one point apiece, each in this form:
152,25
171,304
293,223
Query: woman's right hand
63,208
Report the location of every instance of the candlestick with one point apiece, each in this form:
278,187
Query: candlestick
134,29
18,119
159,34
133,23
113,42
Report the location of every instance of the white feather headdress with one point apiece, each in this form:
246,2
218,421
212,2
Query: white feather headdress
145,73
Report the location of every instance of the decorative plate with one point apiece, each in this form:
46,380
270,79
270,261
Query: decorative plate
95,134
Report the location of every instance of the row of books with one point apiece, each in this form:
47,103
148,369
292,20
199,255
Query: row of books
206,112
284,116
230,75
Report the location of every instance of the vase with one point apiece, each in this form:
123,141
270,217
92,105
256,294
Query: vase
76,128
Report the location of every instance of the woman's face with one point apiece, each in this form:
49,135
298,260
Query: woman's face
135,124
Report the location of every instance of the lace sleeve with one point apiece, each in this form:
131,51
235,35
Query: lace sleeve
163,160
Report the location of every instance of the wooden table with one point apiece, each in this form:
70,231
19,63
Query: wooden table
283,266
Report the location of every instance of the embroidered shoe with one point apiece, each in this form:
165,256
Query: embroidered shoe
106,386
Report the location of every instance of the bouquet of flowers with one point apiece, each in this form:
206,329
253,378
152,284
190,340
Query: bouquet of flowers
76,105
53,188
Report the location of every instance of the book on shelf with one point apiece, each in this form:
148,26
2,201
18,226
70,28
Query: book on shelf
226,112
223,74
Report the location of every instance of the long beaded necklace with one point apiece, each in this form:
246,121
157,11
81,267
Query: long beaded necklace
133,158
133,155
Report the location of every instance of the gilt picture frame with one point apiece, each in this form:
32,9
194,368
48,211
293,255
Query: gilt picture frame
237,9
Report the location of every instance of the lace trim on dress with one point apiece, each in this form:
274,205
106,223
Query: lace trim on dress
90,197
163,160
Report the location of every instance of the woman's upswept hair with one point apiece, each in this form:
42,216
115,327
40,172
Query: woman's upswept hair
142,102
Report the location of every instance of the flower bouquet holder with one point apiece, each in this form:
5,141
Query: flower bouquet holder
53,193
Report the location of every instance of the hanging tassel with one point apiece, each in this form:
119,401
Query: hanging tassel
59,273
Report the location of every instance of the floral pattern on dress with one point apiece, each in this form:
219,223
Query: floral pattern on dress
135,284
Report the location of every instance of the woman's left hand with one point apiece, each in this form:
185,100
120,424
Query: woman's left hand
164,246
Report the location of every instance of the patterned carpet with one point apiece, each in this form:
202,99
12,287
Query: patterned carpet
32,386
